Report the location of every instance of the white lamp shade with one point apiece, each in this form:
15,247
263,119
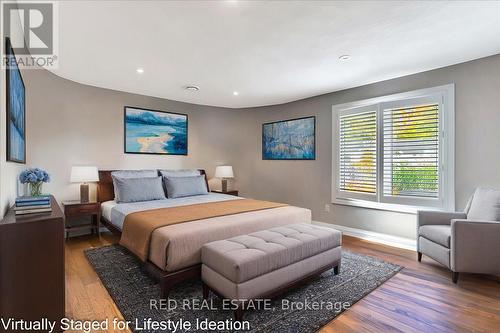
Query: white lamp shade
224,171
84,174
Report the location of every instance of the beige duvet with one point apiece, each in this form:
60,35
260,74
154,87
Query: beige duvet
178,246
138,226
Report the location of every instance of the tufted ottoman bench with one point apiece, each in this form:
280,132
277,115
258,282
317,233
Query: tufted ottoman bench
265,263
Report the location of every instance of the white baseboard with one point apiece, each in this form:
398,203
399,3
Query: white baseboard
396,241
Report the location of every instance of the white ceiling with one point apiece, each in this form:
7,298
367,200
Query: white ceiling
270,52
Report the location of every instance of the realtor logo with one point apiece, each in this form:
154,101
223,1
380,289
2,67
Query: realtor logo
32,29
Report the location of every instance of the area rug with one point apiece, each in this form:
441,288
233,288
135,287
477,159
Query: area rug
304,309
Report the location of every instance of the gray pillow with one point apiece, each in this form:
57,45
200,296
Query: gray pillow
178,187
138,189
180,173
485,205
131,174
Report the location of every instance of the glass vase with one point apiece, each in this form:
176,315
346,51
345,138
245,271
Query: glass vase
36,189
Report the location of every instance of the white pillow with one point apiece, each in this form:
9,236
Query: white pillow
485,205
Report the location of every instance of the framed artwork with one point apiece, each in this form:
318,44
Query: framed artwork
155,132
293,139
16,113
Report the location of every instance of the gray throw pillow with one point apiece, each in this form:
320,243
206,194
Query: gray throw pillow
131,174
180,173
138,189
485,205
178,187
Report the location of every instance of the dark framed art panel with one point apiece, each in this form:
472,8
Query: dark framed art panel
155,132
291,139
16,108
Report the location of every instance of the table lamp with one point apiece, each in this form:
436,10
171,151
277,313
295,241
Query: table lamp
84,175
224,172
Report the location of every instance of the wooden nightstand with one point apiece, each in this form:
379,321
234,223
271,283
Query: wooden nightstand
233,192
77,209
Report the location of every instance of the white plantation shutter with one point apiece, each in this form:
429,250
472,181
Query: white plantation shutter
358,152
411,151
396,150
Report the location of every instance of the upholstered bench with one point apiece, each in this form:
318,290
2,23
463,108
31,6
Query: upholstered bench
264,263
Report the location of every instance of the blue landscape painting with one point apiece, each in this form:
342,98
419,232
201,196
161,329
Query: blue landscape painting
16,113
289,140
155,132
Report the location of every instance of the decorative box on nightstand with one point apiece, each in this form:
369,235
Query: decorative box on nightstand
232,192
77,208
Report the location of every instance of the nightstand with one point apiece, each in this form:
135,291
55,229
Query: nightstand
77,208
232,192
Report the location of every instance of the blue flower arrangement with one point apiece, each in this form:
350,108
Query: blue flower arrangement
35,177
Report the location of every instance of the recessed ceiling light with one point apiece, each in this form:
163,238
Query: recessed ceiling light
192,88
235,93
140,70
344,57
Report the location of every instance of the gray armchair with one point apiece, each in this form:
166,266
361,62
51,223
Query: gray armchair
467,242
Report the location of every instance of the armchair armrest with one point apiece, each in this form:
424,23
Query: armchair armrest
475,246
427,217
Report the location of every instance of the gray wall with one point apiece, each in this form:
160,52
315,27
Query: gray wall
73,124
307,183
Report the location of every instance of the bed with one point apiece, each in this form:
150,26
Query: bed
175,250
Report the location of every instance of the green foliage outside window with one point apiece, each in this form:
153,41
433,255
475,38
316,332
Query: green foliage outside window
414,166
419,124
406,178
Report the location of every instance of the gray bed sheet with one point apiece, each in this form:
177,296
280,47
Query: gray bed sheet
120,211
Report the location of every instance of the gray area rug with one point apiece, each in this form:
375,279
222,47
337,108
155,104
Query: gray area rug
132,290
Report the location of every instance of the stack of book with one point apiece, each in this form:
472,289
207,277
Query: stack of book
32,205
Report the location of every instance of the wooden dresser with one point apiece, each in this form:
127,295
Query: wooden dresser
32,265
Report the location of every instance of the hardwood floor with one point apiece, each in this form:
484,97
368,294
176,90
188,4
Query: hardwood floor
421,298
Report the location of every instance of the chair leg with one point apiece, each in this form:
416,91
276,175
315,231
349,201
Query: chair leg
336,270
454,277
419,255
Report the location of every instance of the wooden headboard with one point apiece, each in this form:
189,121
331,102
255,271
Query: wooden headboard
106,191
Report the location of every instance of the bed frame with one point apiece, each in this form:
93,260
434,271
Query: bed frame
105,192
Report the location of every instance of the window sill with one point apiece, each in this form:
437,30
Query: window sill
383,206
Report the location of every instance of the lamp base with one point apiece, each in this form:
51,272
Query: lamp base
84,192
224,185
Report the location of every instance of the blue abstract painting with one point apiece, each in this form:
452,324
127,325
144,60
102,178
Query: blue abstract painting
155,132
289,139
16,132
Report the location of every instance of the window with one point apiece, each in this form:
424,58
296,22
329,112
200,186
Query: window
395,150
358,153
